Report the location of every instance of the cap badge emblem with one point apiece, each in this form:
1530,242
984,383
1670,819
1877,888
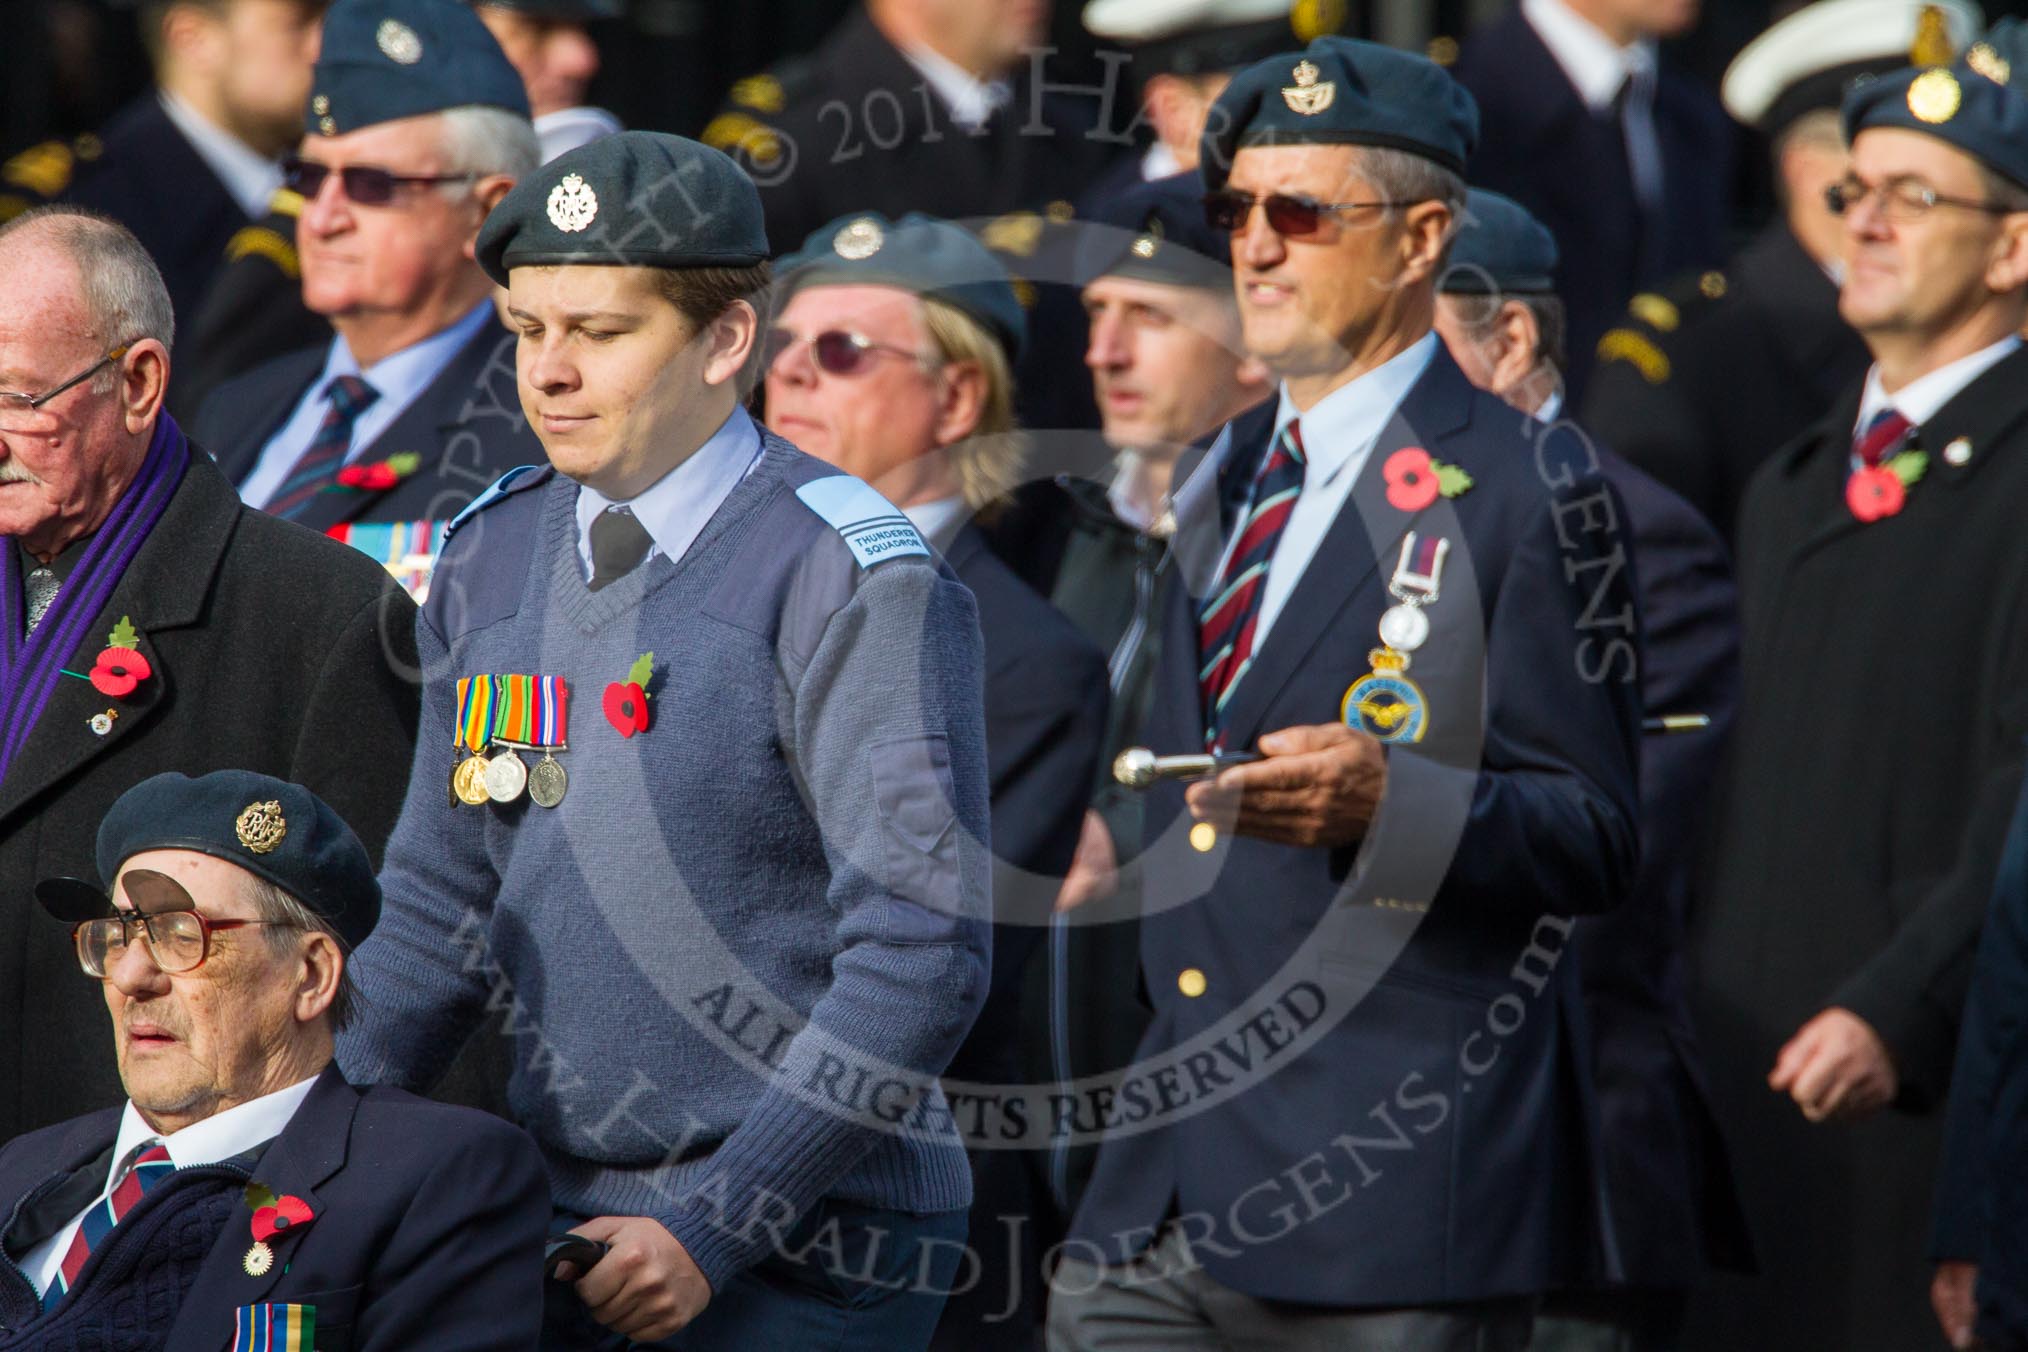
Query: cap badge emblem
261,826
1145,247
398,42
1307,95
1935,96
572,204
861,239
1989,63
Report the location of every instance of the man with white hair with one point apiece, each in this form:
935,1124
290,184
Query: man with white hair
416,126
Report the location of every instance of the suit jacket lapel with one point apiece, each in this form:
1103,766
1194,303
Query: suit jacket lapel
238,455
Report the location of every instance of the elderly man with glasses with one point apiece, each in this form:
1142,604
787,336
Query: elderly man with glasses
148,621
245,1193
416,125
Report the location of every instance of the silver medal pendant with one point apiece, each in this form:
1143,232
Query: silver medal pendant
506,777
1404,628
547,782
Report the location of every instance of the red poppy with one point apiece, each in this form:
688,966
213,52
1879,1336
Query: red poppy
627,707
1411,479
287,1213
1874,493
119,670
369,478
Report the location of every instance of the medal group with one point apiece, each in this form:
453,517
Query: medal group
499,717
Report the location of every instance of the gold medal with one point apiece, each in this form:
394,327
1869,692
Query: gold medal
1203,837
258,1259
506,776
547,782
469,780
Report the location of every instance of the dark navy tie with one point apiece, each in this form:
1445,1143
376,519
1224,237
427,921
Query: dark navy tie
318,468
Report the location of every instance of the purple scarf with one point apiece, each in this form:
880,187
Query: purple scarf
29,668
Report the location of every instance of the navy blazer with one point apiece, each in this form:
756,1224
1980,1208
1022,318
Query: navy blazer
428,1224
467,425
1543,146
1362,1085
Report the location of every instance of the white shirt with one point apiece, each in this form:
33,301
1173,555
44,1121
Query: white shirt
1127,494
1338,437
1551,406
250,177
677,506
1919,400
970,100
1593,63
939,522
1159,163
400,377
232,1132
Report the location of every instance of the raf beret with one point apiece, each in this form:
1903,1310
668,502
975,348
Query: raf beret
1341,91
273,829
1979,103
1808,60
917,253
1499,247
641,199
1156,232
387,59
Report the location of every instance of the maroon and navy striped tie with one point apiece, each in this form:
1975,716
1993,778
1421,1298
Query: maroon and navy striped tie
1225,628
149,1165
1885,430
318,467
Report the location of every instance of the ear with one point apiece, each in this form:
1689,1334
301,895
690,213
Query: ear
730,338
2007,270
1518,336
193,35
488,191
961,403
144,379
320,964
1425,231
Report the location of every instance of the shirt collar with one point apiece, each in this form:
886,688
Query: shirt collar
248,176
1594,64
400,376
676,507
1551,406
218,1137
939,522
970,100
1921,398
1346,422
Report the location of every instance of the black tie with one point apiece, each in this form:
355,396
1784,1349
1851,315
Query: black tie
618,544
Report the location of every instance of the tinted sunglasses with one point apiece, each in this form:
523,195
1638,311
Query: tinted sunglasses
837,352
1287,213
364,185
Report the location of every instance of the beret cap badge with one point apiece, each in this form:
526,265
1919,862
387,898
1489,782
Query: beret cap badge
398,42
1307,96
858,240
261,826
1935,96
572,204
1989,63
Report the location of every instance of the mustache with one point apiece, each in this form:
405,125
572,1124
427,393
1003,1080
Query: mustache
12,471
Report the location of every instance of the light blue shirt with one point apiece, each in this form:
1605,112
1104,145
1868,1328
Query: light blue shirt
400,377
676,506
1338,436
939,522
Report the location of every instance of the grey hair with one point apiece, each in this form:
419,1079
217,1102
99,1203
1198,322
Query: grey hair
483,140
281,914
1404,176
124,295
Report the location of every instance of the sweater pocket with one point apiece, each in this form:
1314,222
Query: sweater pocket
913,793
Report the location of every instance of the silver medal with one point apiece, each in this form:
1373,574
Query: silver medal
1404,628
506,777
547,781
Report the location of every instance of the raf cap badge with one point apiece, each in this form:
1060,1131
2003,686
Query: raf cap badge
572,204
1935,96
861,239
261,827
398,42
1307,96
1989,63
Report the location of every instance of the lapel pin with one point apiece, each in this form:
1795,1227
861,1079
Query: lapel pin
1958,451
102,724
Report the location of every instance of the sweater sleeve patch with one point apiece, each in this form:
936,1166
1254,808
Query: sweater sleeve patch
872,526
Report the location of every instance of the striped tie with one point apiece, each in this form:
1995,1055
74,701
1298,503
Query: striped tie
318,468
1225,629
1886,429
148,1165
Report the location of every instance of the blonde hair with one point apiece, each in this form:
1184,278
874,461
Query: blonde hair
989,461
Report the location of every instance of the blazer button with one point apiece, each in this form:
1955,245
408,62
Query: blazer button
1191,982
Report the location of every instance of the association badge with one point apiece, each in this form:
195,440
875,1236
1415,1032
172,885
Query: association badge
1385,703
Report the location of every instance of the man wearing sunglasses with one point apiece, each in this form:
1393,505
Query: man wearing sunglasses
148,621
1403,1176
416,125
1855,855
246,1193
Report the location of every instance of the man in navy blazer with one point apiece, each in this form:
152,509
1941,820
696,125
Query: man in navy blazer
1629,165
246,1190
1358,1119
1673,1205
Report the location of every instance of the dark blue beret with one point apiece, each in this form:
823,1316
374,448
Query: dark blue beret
1499,247
1341,91
1156,232
640,199
917,253
562,11
387,59
1979,103
276,830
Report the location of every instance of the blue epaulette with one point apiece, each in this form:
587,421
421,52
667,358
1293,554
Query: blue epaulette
872,527
513,481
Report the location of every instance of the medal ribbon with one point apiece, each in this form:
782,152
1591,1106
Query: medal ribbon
1420,568
477,700
552,695
511,720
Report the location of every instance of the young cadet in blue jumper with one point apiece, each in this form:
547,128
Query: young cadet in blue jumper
1358,1121
721,838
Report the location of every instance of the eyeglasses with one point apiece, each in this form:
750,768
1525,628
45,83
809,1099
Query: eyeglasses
1901,199
364,185
1290,214
179,938
24,412
837,352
